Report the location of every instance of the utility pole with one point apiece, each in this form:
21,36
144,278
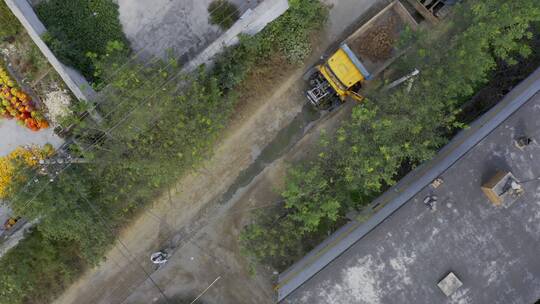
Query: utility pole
402,80
54,165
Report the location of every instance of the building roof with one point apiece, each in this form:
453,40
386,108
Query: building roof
406,249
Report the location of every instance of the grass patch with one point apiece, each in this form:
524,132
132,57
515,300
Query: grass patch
9,25
223,13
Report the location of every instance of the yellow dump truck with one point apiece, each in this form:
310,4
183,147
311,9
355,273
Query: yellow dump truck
362,56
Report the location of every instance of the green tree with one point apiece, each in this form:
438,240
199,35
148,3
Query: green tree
61,206
157,124
308,198
9,25
392,132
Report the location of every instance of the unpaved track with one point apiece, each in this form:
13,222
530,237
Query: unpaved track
214,252
111,281
205,232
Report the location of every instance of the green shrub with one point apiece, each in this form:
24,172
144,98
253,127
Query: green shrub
63,209
287,36
269,241
78,27
292,32
9,25
223,13
38,269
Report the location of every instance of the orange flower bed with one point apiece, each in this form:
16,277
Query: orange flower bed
17,104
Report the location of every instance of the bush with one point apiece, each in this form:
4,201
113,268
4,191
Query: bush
9,25
62,207
38,269
223,13
78,27
299,22
269,241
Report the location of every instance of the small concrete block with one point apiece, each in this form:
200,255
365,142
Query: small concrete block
436,183
449,284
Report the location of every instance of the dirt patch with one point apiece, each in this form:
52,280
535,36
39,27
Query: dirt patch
214,251
259,85
378,43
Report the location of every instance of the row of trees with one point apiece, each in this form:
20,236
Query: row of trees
157,124
393,131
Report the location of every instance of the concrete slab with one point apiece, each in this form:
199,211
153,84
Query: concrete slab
13,135
182,26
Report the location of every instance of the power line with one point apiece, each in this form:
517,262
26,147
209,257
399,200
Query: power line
125,99
68,165
106,225
157,60
155,57
175,59
171,232
116,125
205,290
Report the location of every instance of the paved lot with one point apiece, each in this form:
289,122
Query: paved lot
494,251
155,27
13,135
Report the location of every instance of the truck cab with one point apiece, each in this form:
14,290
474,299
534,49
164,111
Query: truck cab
343,72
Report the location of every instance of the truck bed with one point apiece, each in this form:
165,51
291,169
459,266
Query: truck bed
373,43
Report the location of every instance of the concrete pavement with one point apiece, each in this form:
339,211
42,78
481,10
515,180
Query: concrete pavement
156,26
13,135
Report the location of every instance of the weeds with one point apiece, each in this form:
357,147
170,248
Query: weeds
223,13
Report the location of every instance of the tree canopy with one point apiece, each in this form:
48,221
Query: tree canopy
392,132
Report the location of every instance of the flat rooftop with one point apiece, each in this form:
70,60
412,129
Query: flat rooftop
494,251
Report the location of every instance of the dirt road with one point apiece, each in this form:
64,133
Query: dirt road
201,216
213,252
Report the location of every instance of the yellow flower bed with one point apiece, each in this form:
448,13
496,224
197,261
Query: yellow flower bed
29,155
